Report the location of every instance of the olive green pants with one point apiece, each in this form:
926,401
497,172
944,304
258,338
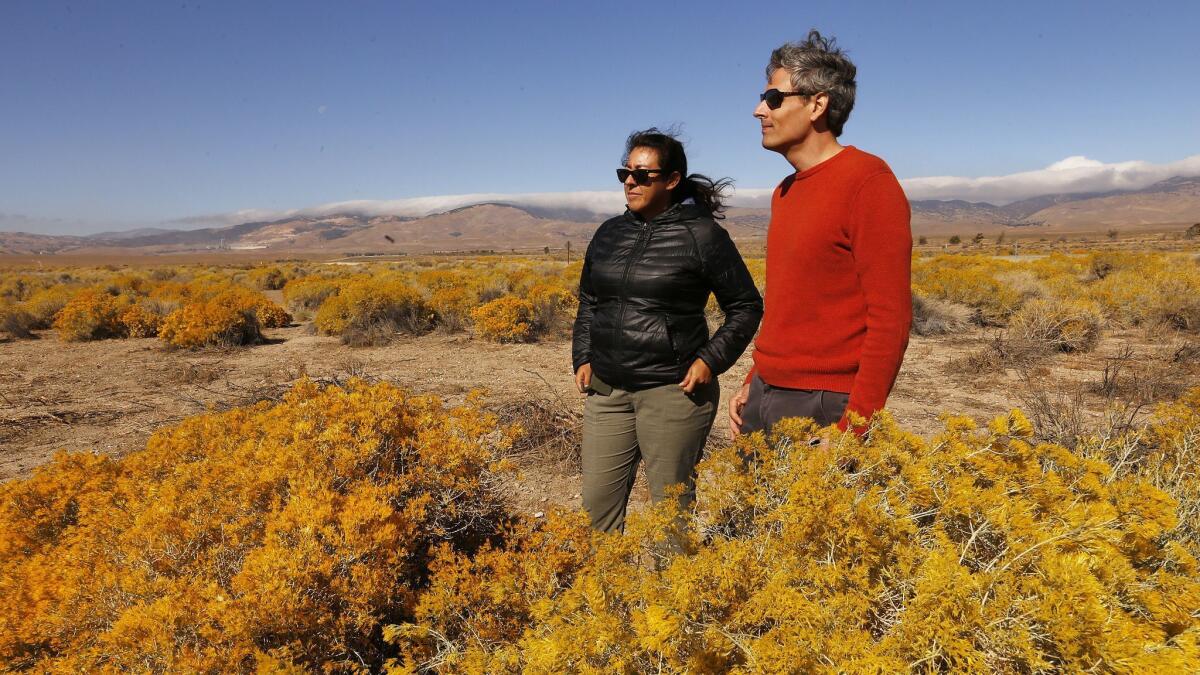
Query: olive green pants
662,425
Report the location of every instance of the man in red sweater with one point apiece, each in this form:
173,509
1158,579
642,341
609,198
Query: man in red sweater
839,247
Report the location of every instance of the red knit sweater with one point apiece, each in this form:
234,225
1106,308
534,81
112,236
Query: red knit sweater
838,301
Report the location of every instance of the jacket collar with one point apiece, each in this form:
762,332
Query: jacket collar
674,213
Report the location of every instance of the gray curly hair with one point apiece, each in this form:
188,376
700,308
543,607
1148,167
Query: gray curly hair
818,65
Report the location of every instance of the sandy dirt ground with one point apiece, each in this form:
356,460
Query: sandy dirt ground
109,396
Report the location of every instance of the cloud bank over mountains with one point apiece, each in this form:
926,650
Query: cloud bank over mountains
599,203
1073,175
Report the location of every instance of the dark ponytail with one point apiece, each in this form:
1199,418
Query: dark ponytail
707,193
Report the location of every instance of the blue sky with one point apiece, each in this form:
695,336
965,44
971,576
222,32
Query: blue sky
130,113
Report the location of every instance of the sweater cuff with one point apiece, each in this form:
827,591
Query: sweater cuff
750,375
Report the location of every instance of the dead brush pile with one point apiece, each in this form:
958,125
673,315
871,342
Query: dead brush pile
932,316
548,430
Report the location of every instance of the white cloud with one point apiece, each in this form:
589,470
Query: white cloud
1071,175
599,203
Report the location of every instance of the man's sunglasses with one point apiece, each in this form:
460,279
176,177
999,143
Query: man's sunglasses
774,97
640,176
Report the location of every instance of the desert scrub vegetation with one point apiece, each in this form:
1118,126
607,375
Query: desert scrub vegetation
91,314
1058,324
1034,299
505,319
92,304
222,320
960,553
361,529
1060,301
285,533
15,321
371,310
501,299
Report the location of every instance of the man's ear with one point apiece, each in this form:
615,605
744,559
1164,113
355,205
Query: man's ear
820,104
674,181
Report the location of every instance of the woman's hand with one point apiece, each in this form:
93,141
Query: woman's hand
699,373
736,403
583,378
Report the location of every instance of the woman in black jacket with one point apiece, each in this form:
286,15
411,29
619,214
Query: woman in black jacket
642,352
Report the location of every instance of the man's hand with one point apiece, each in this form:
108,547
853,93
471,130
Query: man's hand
583,378
736,403
699,373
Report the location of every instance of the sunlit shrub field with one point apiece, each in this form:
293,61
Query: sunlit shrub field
1061,301
363,304
287,533
363,529
1057,302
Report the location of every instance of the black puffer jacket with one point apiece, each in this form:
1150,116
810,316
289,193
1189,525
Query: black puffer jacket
642,295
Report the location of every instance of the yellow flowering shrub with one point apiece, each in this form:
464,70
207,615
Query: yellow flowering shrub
975,551
224,320
16,287
91,314
970,281
282,536
505,319
128,284
554,307
434,280
1153,290
370,309
267,278
1165,453
1058,325
15,320
307,293
271,315
453,305
45,304
140,322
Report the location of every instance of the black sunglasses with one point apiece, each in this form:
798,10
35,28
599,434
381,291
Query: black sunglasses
640,176
774,97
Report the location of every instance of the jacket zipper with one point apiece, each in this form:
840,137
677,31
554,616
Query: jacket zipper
638,247
671,339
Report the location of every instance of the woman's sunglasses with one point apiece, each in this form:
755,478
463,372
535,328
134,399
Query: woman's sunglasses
774,97
640,176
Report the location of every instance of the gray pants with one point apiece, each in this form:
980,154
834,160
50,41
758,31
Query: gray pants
662,425
768,404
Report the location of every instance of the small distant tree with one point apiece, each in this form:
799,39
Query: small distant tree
978,238
1193,231
1112,235
1000,239
956,239
922,240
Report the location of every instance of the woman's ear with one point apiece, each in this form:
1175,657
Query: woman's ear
674,180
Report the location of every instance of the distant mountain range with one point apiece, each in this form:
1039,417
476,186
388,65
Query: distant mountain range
497,226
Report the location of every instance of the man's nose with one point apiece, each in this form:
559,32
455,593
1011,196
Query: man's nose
760,110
